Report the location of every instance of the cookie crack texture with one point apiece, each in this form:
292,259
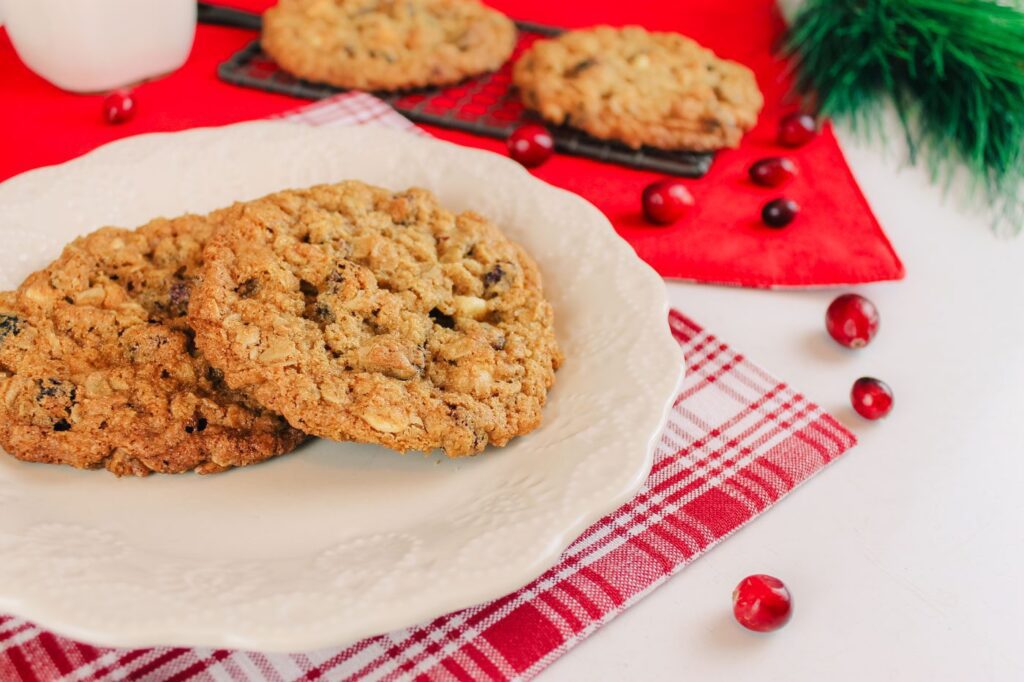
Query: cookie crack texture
379,317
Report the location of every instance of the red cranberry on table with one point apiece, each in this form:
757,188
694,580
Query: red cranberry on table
666,201
779,212
797,129
871,398
772,171
119,106
530,145
761,603
852,320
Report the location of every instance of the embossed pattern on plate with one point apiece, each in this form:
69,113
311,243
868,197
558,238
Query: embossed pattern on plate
338,541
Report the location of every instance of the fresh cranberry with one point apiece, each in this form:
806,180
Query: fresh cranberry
119,106
761,603
852,320
779,212
871,398
772,171
530,145
796,129
666,201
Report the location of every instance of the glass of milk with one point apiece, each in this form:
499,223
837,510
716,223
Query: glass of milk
98,45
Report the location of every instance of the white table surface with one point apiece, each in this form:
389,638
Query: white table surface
905,557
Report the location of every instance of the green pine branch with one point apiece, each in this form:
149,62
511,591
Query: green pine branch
953,68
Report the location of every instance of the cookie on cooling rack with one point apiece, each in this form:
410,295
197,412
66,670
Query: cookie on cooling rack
98,368
642,88
387,44
380,317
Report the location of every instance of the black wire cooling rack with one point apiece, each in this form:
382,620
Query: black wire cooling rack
486,105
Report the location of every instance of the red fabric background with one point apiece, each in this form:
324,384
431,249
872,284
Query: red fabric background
836,240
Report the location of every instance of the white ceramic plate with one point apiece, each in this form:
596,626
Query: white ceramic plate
337,541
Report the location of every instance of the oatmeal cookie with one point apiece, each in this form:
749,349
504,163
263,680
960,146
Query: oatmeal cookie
641,88
387,44
380,317
98,367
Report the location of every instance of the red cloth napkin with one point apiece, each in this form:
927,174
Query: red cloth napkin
736,442
836,240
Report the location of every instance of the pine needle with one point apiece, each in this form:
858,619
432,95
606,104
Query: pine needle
954,69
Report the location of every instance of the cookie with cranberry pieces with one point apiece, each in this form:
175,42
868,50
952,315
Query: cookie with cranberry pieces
387,44
98,368
380,317
641,88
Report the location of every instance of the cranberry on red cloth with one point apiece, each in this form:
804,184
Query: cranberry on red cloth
119,107
666,201
797,129
772,171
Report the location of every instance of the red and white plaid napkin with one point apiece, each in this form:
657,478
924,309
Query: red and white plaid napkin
737,441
